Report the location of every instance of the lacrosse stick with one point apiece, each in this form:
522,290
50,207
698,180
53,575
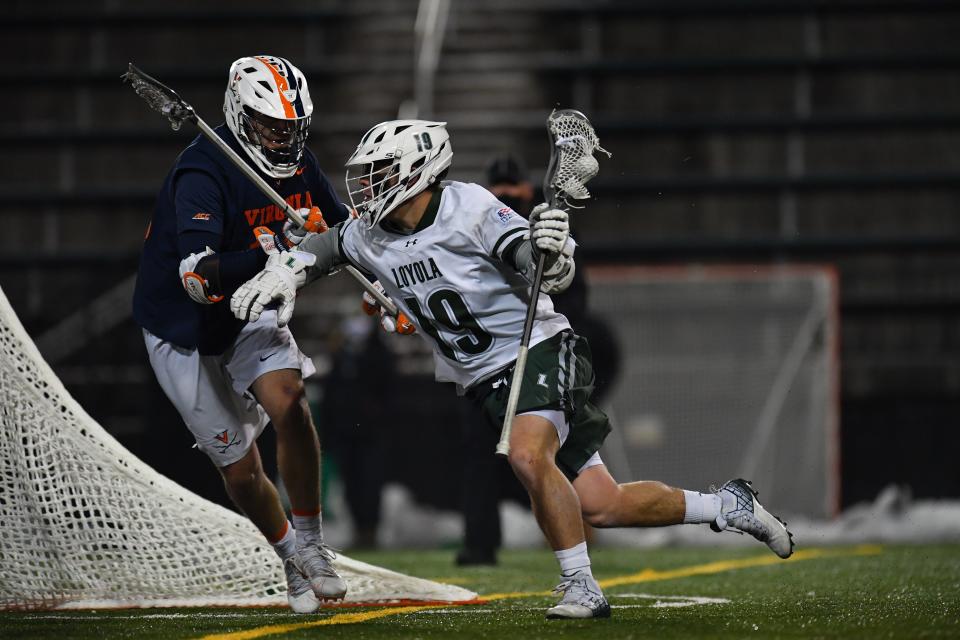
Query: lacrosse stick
572,145
165,100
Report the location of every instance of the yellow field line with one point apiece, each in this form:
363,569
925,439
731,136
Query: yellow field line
341,618
647,575
653,575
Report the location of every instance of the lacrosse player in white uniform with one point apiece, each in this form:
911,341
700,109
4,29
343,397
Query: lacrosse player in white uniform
459,263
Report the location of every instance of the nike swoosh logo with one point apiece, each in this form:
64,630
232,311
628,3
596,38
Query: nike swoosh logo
262,358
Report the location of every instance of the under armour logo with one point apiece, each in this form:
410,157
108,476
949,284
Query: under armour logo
410,243
542,379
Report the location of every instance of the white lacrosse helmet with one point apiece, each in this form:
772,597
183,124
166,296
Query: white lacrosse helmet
395,161
268,107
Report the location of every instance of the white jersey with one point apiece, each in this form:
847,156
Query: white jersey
449,278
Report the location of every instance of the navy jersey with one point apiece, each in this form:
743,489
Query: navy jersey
207,201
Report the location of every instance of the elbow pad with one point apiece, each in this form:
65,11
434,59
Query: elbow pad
200,276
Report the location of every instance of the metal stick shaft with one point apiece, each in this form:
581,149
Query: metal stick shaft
503,446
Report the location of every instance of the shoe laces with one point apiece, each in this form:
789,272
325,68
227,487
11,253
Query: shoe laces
320,558
743,515
742,495
741,512
296,582
575,589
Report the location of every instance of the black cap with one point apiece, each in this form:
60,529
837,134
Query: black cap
507,169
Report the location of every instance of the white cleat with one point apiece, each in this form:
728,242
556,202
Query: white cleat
582,598
316,563
300,595
741,511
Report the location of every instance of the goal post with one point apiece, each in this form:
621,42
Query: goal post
726,371
84,523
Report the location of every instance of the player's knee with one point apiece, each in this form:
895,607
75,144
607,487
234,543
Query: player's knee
288,407
291,393
528,462
243,475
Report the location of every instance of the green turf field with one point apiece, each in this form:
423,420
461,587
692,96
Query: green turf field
840,592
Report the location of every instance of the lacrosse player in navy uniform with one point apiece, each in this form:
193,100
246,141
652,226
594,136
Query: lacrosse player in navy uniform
459,264
228,378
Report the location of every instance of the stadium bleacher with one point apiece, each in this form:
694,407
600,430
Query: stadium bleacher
742,132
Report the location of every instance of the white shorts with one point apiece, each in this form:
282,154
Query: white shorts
212,393
559,421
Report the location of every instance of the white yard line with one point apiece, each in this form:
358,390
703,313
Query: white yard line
667,601
159,616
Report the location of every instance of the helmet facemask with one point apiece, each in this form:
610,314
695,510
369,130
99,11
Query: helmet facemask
375,188
281,142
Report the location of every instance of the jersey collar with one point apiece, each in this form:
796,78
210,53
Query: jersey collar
430,213
427,219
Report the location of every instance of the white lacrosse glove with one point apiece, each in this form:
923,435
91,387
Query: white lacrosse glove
550,234
313,222
284,273
549,229
197,281
401,324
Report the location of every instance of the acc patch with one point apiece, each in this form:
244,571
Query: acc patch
201,216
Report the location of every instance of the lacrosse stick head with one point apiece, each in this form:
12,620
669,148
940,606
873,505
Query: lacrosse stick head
160,97
572,163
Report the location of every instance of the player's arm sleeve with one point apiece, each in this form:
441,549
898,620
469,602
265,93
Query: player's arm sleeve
223,271
501,230
328,249
236,267
520,256
558,272
199,204
199,209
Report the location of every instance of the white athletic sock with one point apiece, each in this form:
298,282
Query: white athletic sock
309,529
286,545
701,507
573,560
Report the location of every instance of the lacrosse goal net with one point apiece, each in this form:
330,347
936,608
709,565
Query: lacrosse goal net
84,523
726,372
